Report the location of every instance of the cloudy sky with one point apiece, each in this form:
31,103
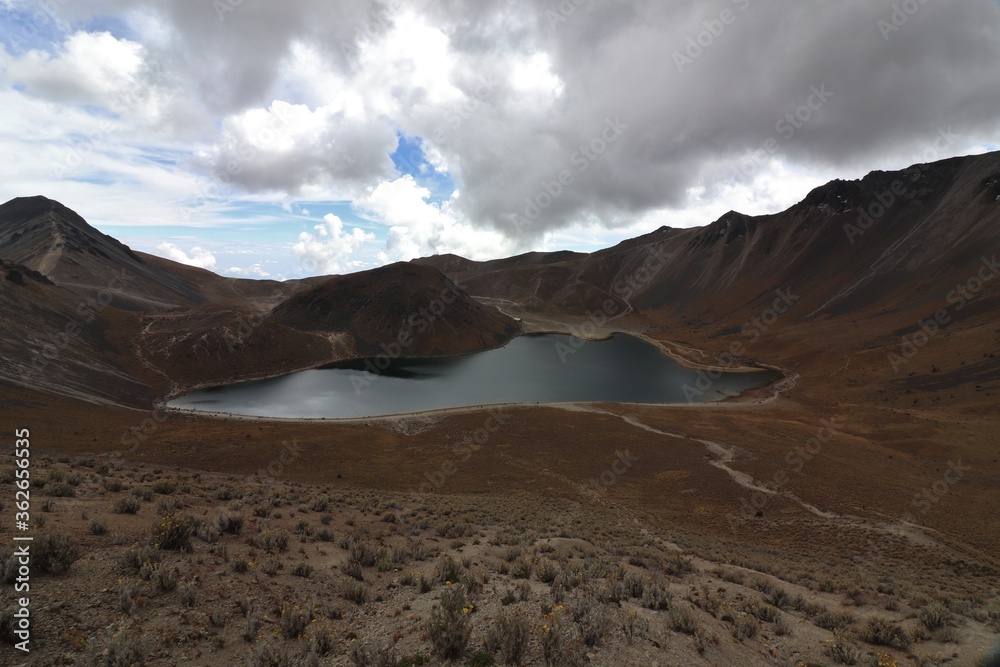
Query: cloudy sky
280,139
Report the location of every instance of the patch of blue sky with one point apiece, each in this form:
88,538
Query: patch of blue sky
162,156
24,30
267,221
409,158
111,24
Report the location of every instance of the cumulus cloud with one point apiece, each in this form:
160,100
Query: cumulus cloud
419,227
330,248
199,257
90,68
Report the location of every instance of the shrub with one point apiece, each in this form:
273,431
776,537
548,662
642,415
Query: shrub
935,616
383,655
656,596
780,598
833,620
188,595
134,558
320,504
96,527
273,540
762,611
165,486
230,523
174,533
61,490
125,650
509,636
682,620
364,553
745,626
53,553
843,651
448,627
302,569
125,505
354,591
560,647
352,569
593,619
112,484
546,571
294,620
126,596
885,633
251,626
165,579
449,570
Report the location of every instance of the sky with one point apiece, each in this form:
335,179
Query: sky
278,140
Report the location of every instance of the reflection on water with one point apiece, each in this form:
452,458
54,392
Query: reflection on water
547,368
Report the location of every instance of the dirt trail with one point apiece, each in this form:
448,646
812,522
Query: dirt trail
724,456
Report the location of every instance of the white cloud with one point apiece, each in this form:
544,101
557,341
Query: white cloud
418,227
199,257
255,270
90,68
330,248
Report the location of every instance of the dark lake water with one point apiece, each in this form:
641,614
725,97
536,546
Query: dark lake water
529,369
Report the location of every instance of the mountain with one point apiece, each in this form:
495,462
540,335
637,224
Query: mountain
890,240
412,305
54,240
